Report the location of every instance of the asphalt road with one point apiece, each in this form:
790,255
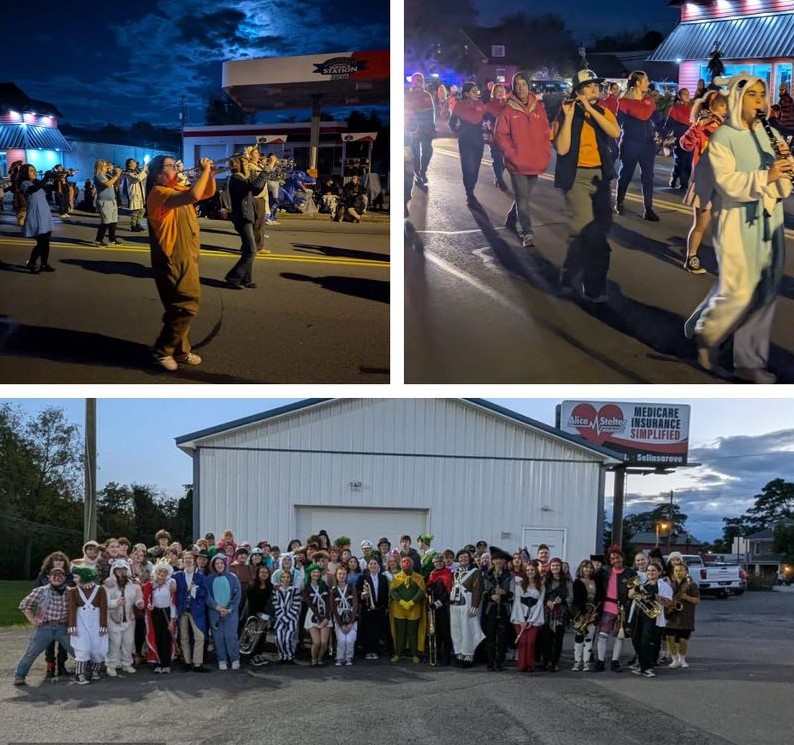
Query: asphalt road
480,309
738,690
320,313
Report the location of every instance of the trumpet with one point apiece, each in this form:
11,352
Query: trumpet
774,142
641,599
366,594
584,619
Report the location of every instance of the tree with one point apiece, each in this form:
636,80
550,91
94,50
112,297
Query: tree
222,111
646,521
784,541
774,504
628,41
433,38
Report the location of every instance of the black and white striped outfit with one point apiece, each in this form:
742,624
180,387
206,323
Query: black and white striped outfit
287,610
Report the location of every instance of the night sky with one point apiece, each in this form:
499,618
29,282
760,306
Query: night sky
587,19
127,62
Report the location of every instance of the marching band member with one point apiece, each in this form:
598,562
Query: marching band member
527,614
681,622
646,628
373,603
464,609
191,592
344,611
497,592
406,610
556,599
287,603
135,179
613,617
587,600
318,616
123,596
439,585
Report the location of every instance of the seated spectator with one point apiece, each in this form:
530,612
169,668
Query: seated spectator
353,203
330,196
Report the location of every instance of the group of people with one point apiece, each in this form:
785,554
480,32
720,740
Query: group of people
120,606
735,171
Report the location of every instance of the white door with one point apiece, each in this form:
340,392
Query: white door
554,538
359,523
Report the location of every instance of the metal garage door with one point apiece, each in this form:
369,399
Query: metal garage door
359,523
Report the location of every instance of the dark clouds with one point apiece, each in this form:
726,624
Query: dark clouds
733,471
137,61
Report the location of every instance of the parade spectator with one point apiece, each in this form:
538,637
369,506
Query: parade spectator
354,200
329,196
522,134
786,119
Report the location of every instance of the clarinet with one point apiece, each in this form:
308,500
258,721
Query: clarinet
773,141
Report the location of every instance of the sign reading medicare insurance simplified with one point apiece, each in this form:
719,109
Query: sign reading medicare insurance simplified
648,434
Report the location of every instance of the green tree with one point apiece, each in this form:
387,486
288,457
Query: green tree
774,504
784,541
646,521
433,38
553,50
220,110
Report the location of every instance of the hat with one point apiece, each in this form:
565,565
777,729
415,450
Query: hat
203,552
469,547
585,77
57,570
482,543
119,564
209,536
425,538
366,544
90,543
384,540
85,573
675,555
256,550
498,553
263,543
597,557
161,564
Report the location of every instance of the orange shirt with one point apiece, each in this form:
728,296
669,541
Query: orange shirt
588,147
163,222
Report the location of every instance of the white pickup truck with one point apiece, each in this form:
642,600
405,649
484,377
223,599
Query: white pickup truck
715,578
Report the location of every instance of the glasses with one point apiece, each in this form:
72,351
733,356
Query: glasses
169,165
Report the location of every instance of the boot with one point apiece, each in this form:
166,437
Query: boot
50,669
62,671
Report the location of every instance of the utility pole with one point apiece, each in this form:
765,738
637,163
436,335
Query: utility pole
89,509
670,520
617,506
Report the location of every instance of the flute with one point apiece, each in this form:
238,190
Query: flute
774,141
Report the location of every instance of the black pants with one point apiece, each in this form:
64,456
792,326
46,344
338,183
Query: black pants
470,159
551,644
111,229
49,654
372,630
496,636
633,152
443,636
41,250
162,635
647,641
241,272
422,151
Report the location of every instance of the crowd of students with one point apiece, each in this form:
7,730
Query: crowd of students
120,607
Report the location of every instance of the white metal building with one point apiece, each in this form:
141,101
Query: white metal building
461,469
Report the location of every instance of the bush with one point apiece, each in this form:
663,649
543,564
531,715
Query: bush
755,583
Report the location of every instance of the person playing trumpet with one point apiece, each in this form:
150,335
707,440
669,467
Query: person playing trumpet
373,590
174,242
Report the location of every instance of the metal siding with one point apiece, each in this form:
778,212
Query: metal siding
254,492
761,37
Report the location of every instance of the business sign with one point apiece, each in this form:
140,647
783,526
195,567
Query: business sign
648,434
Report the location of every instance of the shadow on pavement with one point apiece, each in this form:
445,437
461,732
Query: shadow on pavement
101,266
369,289
343,252
86,348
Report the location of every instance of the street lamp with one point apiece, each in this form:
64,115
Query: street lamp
662,526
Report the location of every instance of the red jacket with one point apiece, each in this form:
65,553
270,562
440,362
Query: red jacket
611,103
696,138
680,112
524,136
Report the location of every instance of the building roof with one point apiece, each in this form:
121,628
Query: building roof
485,38
622,64
765,558
13,98
187,442
676,539
751,37
31,137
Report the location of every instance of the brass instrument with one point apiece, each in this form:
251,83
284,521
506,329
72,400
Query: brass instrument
649,607
366,595
583,620
432,647
678,603
774,142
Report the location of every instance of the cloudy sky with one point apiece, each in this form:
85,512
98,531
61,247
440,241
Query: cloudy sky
123,62
741,444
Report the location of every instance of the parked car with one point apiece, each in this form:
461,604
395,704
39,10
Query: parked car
715,577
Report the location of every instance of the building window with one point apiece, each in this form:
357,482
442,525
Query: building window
501,75
497,50
782,75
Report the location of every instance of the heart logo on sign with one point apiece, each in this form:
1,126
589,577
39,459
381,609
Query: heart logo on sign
597,425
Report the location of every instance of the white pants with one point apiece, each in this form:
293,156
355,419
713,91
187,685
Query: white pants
121,644
346,643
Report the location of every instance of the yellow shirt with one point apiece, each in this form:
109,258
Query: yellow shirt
588,146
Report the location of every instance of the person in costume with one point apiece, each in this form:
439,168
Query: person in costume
439,586
259,614
681,620
344,611
556,600
588,598
615,611
373,603
287,602
159,596
353,570
288,563
406,609
46,608
385,549
57,559
87,623
498,594
527,614
750,182
647,629
426,554
464,608
318,615
123,596
223,602
191,608
90,555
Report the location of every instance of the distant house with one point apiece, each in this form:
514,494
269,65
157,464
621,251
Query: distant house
762,560
490,56
28,130
617,66
684,542
753,36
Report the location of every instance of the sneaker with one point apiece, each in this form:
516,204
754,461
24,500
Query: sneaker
166,670
236,665
634,666
81,680
396,658
188,359
348,662
693,266
675,663
272,222
117,242
250,285
32,268
111,671
578,667
339,663
620,208
649,674
157,670
354,214
259,660
682,662
95,675
636,671
101,243
19,681
235,285
129,669
47,268
755,375
650,215
588,668
528,240
200,669
167,361
222,666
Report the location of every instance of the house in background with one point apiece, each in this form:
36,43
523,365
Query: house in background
756,36
762,561
684,542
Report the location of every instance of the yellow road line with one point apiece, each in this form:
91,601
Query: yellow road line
337,261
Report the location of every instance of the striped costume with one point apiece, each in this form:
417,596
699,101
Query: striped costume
287,607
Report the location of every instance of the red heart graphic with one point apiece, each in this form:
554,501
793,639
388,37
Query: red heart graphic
597,426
